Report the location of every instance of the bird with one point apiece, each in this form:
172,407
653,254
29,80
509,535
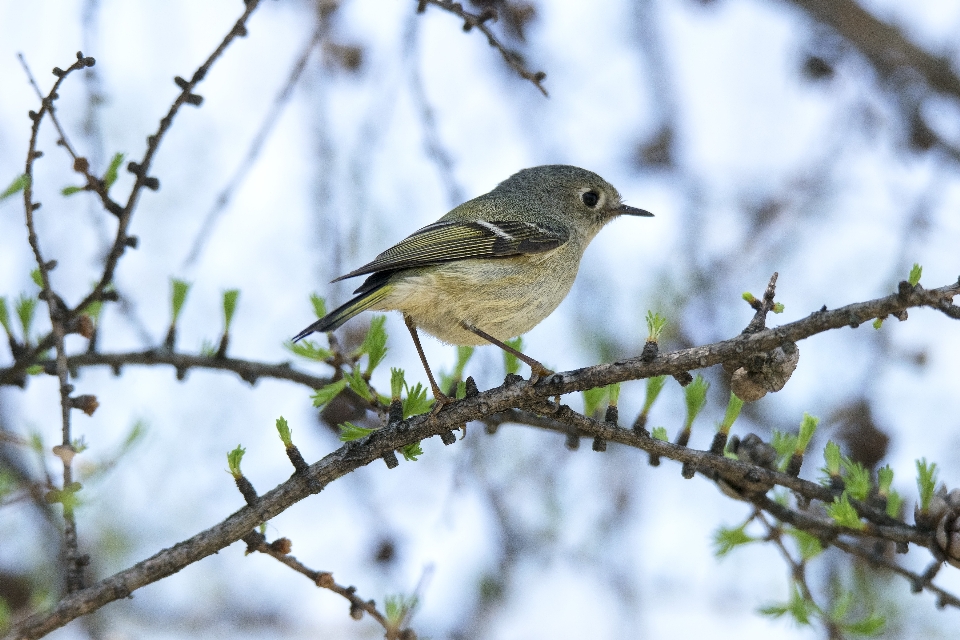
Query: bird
493,267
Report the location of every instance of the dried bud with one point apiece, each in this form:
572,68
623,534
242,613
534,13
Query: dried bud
283,546
86,403
346,57
65,453
81,165
325,580
85,326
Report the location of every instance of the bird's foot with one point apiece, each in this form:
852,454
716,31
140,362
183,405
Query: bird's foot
440,400
538,371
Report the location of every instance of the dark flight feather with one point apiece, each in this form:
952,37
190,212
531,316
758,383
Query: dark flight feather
456,240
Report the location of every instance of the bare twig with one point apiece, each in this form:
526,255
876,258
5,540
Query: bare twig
253,151
885,46
323,579
80,164
944,598
900,62
74,560
121,241
248,370
141,169
471,20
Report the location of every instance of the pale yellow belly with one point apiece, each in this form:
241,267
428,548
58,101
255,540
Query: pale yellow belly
504,297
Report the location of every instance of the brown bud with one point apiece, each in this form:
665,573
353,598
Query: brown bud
65,453
325,580
85,326
86,403
356,611
81,165
283,546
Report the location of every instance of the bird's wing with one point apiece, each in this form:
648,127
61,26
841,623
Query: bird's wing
459,240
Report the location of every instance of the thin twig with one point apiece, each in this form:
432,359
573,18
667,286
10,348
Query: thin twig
471,20
944,598
80,164
74,560
122,240
253,151
142,169
323,579
248,370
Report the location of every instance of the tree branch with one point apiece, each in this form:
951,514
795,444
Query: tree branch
471,20
249,370
323,579
513,394
74,560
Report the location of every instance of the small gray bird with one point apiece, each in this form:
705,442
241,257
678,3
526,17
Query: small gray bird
492,268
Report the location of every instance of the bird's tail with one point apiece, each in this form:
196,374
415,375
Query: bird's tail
346,311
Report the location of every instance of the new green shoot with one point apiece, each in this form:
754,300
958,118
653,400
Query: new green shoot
926,482
179,290
655,325
915,273
233,461
229,307
286,437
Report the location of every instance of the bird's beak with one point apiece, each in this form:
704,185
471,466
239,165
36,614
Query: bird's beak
624,210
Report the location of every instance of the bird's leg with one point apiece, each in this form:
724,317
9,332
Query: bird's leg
439,396
537,370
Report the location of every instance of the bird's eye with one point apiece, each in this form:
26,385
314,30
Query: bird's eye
590,198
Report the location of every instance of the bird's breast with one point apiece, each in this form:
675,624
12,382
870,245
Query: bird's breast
504,297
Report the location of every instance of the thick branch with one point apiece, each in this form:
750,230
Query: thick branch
520,394
685,360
